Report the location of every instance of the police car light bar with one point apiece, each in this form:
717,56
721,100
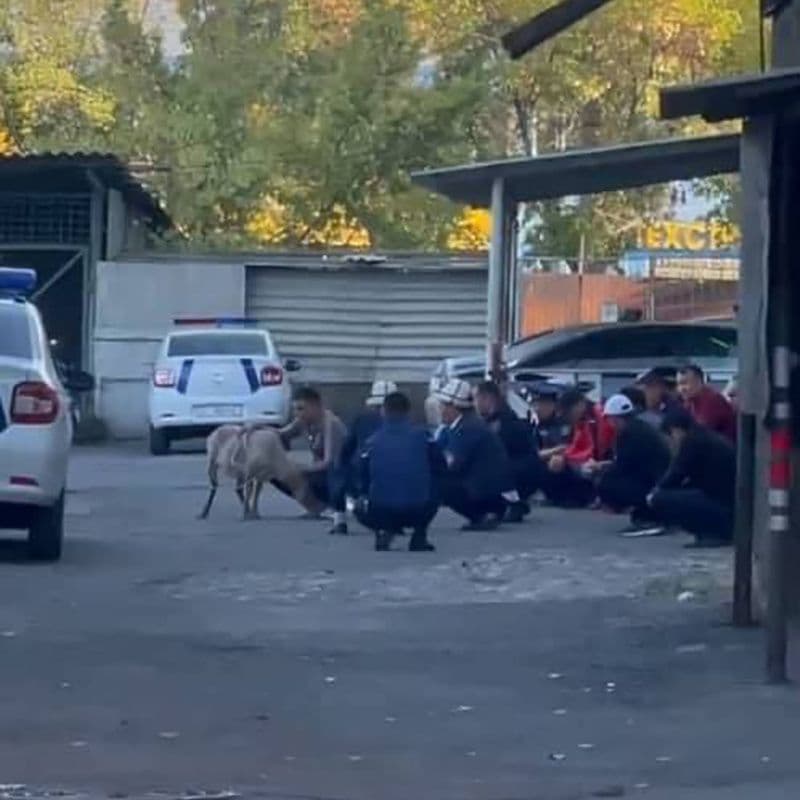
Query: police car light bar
219,322
16,282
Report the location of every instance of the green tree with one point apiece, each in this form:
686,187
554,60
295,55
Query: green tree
355,119
49,48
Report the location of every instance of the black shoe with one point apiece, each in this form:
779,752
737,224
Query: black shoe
708,544
638,530
517,512
419,543
339,529
484,524
383,541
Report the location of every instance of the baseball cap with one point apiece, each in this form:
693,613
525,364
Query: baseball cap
618,405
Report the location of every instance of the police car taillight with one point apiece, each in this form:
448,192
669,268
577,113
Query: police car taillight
271,376
163,378
34,403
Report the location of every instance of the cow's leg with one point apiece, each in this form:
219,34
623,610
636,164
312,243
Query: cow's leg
212,493
257,487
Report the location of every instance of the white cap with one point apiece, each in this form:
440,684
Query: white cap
456,393
618,405
379,392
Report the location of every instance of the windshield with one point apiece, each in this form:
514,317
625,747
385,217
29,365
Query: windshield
218,344
15,332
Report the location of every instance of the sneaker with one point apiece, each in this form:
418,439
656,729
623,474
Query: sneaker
639,530
339,530
419,543
517,512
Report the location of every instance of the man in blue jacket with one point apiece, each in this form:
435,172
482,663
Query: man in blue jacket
399,467
479,472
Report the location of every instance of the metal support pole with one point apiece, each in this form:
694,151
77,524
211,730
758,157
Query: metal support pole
512,278
786,53
780,330
745,520
496,301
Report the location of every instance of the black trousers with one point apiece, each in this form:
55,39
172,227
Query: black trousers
568,488
621,491
529,475
457,497
320,485
396,519
695,512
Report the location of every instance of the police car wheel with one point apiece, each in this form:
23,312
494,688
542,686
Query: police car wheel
46,533
159,442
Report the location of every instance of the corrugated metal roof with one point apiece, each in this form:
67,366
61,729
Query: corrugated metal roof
733,98
69,169
330,260
580,172
352,329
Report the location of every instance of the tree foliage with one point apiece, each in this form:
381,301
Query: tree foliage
298,121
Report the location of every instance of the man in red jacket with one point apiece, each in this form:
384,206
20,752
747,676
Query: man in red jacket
572,468
706,405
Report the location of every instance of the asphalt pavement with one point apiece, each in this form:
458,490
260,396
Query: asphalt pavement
167,657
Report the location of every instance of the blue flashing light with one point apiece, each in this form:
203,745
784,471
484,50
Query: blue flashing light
16,282
224,322
219,322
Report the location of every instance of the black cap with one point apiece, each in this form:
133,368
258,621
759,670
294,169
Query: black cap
570,398
547,393
666,376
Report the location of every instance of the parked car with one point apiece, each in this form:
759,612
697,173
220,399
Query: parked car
35,423
212,372
607,356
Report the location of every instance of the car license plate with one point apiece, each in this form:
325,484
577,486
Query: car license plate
215,411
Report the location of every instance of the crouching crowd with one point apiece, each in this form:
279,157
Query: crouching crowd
662,451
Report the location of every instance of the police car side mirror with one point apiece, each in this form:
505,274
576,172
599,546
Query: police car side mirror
292,365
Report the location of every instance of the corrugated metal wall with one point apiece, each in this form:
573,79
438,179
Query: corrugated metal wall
352,324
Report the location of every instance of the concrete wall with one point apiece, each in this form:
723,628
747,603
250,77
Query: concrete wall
135,305
439,312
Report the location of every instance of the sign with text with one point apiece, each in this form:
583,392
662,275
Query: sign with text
694,236
695,269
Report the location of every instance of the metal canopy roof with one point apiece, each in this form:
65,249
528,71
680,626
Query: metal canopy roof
580,172
68,173
733,98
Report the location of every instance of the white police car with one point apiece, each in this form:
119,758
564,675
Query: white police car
211,372
35,425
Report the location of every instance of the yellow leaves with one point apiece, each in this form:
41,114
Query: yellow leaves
314,23
7,146
45,89
273,224
471,231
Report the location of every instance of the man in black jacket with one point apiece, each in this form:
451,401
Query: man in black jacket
698,492
517,436
641,458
